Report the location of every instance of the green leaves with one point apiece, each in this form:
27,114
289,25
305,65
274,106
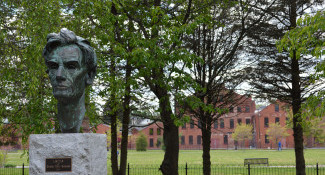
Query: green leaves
242,132
147,36
276,132
306,38
28,102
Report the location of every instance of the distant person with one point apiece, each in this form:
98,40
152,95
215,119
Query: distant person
279,146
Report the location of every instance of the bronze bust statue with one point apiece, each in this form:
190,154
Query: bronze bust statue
71,63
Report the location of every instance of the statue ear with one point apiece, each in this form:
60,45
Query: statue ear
90,77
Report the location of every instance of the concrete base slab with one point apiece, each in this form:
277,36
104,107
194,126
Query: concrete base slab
68,154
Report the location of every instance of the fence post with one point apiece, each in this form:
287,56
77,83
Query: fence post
249,169
186,168
317,168
23,168
128,168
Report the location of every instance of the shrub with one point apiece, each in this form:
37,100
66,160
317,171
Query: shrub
10,166
141,143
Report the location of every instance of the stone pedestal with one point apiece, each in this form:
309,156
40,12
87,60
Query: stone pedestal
51,154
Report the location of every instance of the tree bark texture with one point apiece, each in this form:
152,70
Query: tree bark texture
206,140
114,163
169,165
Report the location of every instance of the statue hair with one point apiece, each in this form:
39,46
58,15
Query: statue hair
67,37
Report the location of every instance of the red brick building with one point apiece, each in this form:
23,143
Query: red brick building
190,133
222,130
102,129
153,132
273,113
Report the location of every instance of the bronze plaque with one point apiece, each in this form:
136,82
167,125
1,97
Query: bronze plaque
58,165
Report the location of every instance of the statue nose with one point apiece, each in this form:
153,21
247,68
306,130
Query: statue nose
60,74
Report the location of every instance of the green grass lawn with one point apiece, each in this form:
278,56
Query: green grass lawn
17,158
312,156
285,157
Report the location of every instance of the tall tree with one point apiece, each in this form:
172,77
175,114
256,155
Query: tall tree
158,64
217,74
282,76
308,39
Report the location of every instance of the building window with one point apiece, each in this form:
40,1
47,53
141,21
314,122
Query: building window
150,131
184,126
231,123
151,142
247,109
276,107
199,138
239,121
266,122
238,109
192,124
248,121
225,139
158,131
215,126
190,140
199,124
158,143
267,139
231,109
277,120
222,123
183,140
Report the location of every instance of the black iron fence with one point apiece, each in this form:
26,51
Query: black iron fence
189,169
19,170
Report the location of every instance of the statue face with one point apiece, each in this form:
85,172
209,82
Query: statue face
67,72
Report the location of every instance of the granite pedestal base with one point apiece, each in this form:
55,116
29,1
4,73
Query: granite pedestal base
51,153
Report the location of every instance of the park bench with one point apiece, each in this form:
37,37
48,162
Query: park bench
254,161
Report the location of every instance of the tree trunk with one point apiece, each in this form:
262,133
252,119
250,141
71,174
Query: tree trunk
206,138
125,122
169,165
297,128
296,101
113,116
114,163
298,140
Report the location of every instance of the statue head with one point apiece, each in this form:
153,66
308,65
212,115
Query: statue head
71,65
